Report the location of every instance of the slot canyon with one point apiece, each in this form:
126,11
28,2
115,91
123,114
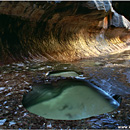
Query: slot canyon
47,46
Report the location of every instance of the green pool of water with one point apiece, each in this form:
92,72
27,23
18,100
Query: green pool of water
68,100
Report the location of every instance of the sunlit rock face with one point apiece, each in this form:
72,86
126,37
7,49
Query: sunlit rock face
63,31
68,99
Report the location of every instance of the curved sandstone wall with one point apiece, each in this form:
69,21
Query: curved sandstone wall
63,31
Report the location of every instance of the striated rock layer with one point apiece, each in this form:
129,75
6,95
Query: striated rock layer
61,31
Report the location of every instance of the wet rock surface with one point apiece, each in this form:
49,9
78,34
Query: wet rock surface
108,73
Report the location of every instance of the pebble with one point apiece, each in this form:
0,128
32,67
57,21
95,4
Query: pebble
2,121
12,123
20,105
4,102
2,88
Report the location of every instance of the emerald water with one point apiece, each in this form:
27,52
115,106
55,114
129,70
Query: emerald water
75,101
